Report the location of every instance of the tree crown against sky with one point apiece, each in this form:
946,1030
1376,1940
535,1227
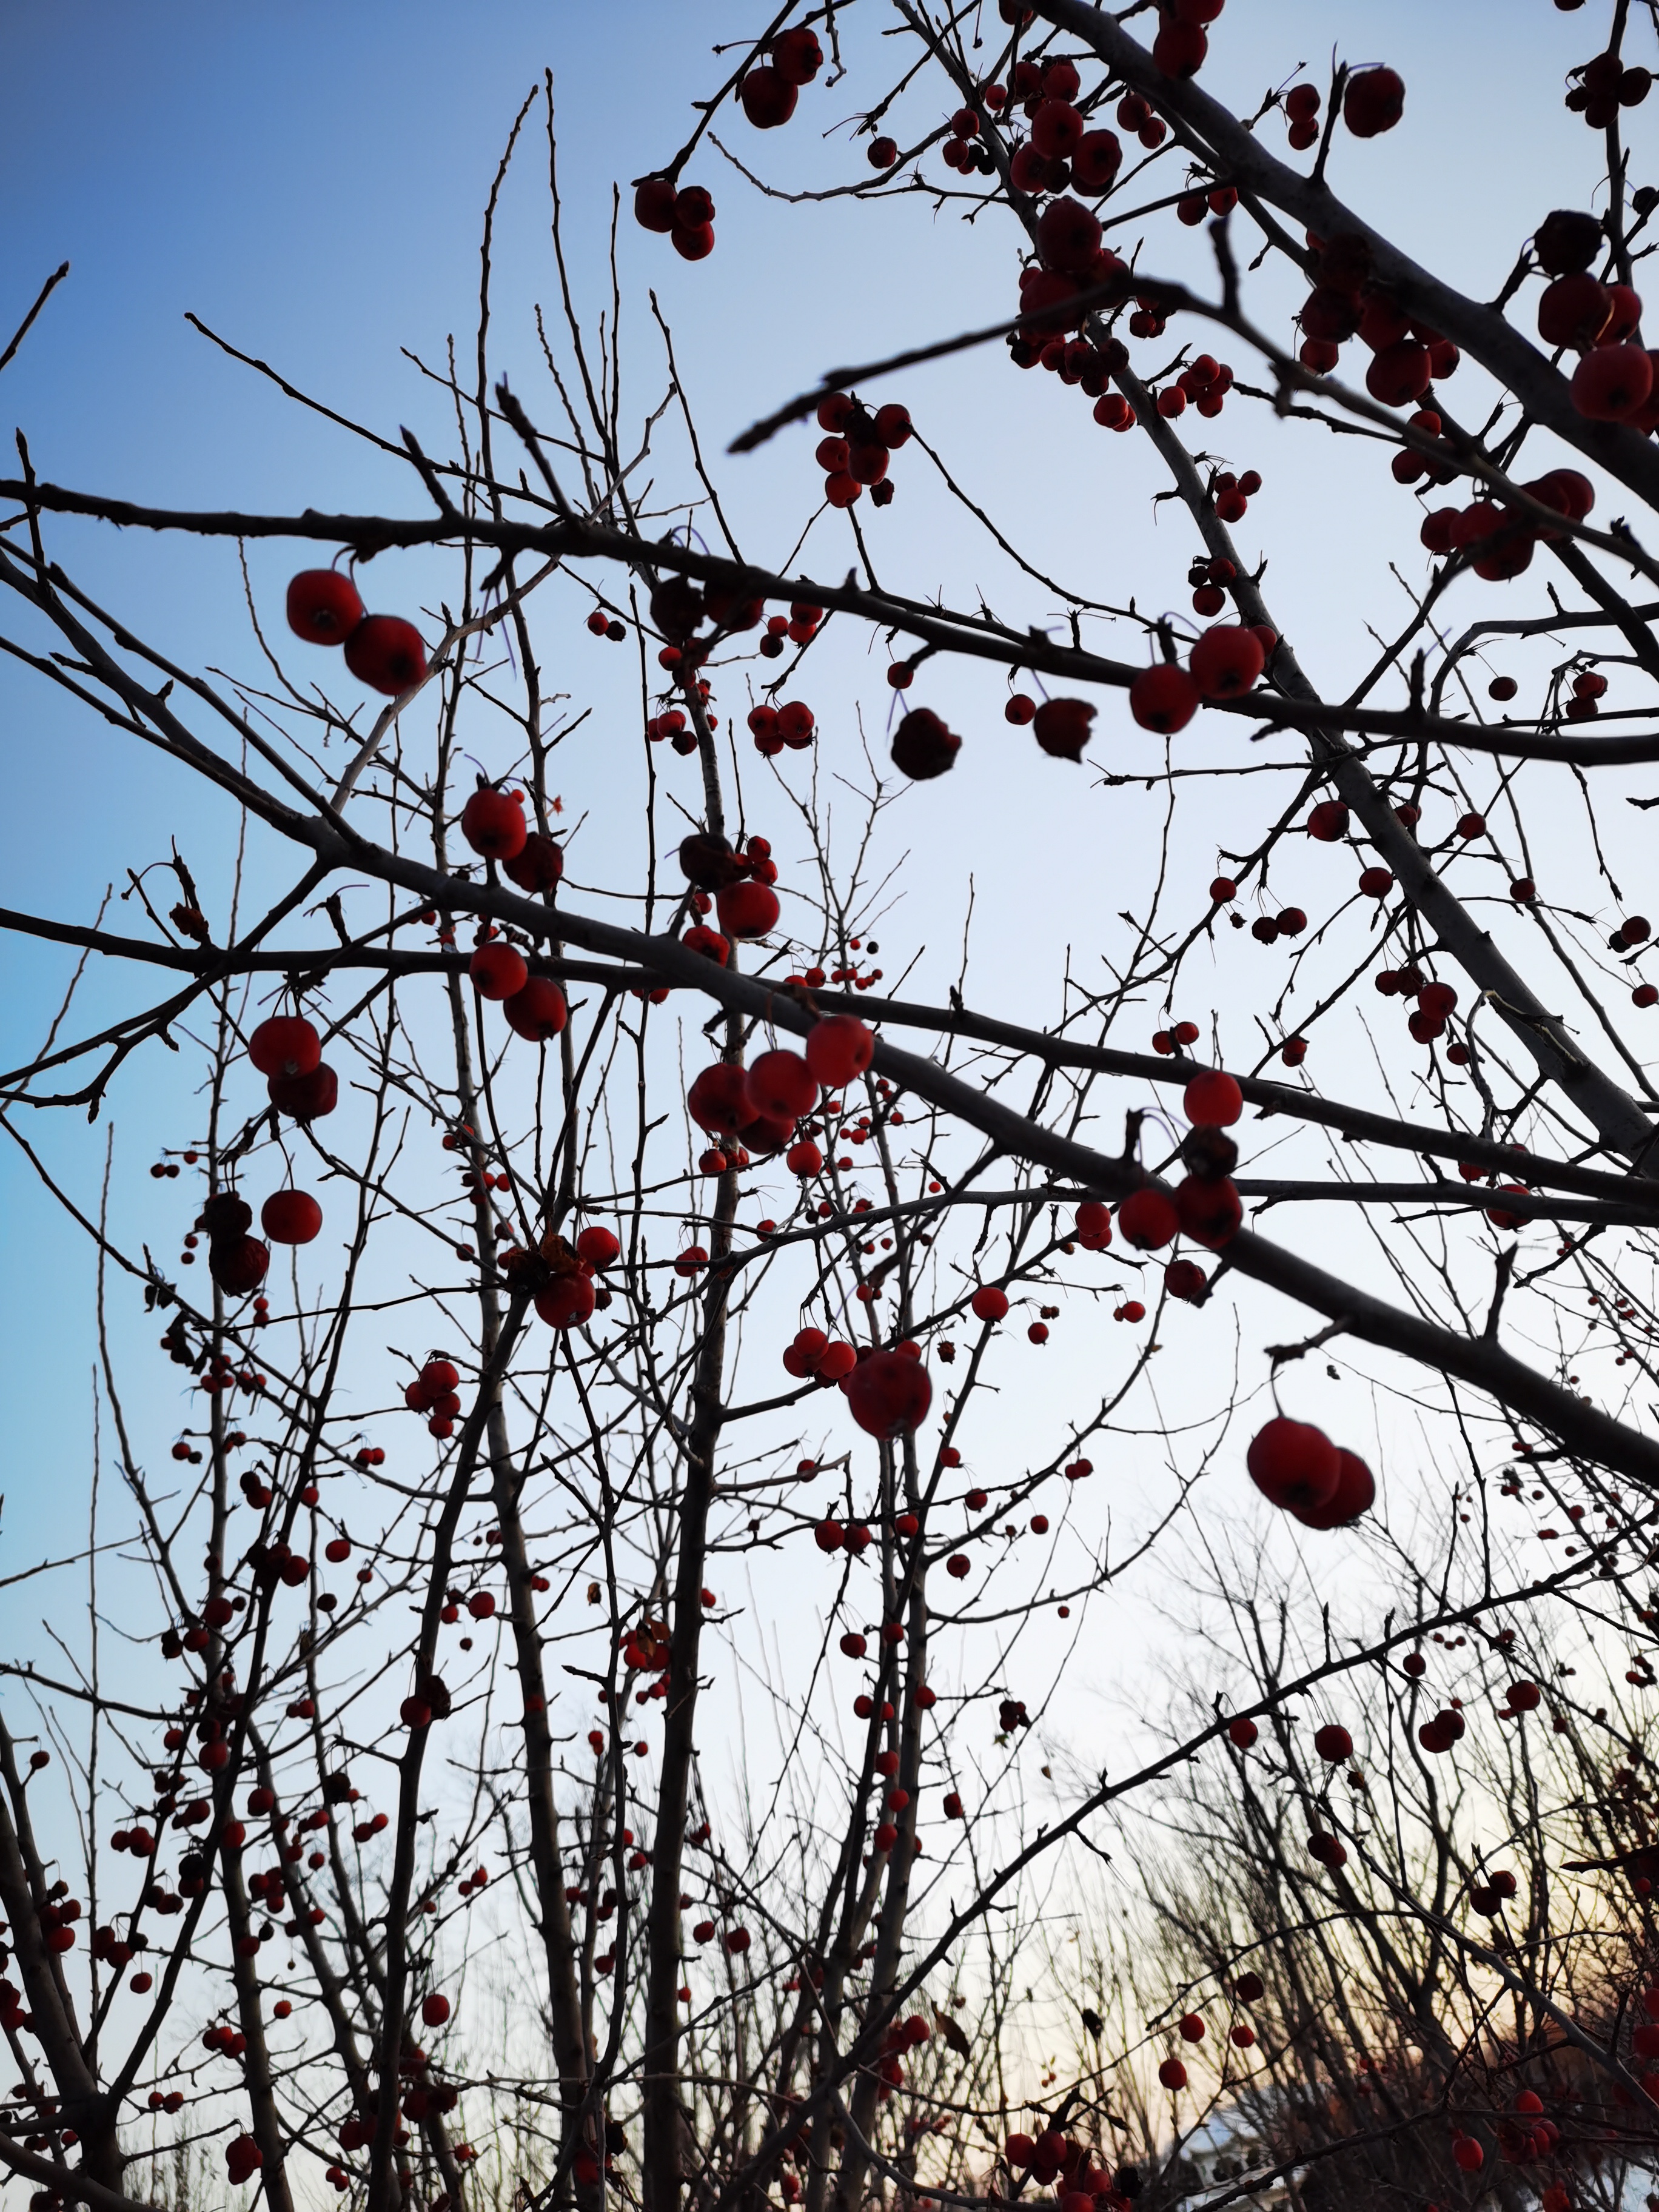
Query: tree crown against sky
789,1501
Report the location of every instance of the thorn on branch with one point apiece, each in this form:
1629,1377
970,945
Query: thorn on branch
1280,1353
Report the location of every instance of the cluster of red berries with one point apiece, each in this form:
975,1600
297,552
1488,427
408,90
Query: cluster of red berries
811,1353
1589,689
769,88
568,1300
800,627
236,1260
1614,381
1269,928
857,448
604,625
243,2159
1179,1035
1206,382
1079,362
1062,150
1434,1004
534,1005
739,885
435,1392
1346,303
756,1109
670,723
1226,662
1497,541
1052,2158
1218,200
1302,106
383,651
1071,262
493,823
964,149
1208,580
1298,1467
1230,494
289,1053
1409,466
773,727
686,215
1603,86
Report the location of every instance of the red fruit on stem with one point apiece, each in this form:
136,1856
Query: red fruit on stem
654,204
1069,237
1374,102
719,1099
837,1048
1209,1210
1148,1219
1096,159
1094,1224
1399,374
386,653
1180,48
1212,1100
537,1012
1227,661
498,970
889,1394
1612,382
988,1302
306,1097
537,866
237,1264
598,1245
1165,698
323,606
769,100
285,1044
781,1084
749,909
566,1302
493,824
1355,1494
1293,1464
1574,311
290,1217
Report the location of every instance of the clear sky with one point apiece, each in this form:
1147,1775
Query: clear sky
309,180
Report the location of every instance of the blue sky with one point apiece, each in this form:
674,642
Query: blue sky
308,180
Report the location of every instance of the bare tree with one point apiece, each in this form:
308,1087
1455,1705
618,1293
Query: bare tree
550,1178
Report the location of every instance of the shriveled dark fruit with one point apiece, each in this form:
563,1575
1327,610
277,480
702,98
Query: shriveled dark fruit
708,862
1567,240
675,608
537,864
923,747
225,1215
1209,1153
